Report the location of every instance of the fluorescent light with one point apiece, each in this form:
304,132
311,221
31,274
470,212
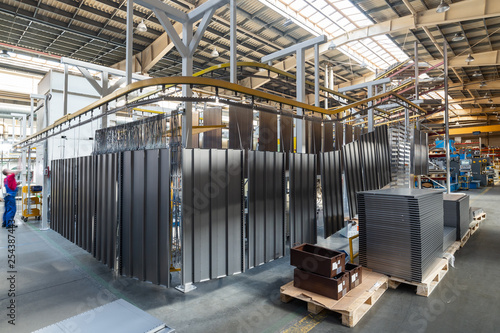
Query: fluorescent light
443,7
141,27
458,37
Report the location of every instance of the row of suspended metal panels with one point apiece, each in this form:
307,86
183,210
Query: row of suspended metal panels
118,207
366,164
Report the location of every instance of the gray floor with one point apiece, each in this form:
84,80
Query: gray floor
56,280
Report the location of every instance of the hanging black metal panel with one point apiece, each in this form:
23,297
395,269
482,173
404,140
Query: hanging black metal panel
331,183
383,152
240,127
145,215
212,234
424,142
85,202
266,207
106,209
286,134
353,174
369,161
339,135
268,131
313,135
54,192
302,198
328,137
357,132
213,138
348,134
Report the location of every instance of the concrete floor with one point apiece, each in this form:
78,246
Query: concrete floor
57,280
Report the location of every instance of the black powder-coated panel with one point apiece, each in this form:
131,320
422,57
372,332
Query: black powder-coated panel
212,139
302,198
348,134
218,216
234,223
266,229
313,135
357,132
151,216
286,134
188,212
126,214
369,161
424,142
353,174
164,229
99,238
328,137
138,195
240,127
331,181
339,135
212,212
268,131
383,152
53,195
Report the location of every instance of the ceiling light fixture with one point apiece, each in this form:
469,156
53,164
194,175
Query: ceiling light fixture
332,46
458,37
214,53
482,84
4,54
490,101
469,58
492,107
287,22
477,74
141,27
487,95
443,7
457,123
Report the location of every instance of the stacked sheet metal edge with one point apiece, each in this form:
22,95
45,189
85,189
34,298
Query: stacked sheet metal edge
400,231
456,213
449,235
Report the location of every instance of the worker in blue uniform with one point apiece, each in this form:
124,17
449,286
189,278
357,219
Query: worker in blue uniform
10,185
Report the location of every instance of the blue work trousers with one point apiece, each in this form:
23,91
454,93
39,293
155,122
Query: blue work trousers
10,210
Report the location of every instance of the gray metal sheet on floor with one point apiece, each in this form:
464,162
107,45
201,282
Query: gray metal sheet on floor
115,316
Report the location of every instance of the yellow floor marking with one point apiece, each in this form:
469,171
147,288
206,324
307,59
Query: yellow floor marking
485,190
307,323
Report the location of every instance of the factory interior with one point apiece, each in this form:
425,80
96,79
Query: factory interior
249,165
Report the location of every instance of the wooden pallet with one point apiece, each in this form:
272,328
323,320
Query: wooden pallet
480,217
464,239
353,306
474,226
453,248
427,286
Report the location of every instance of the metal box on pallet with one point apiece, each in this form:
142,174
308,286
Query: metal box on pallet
335,287
317,260
355,275
457,213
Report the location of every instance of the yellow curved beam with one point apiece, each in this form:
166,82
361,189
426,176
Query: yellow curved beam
272,69
178,80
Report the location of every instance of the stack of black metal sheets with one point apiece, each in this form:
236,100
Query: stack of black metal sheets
449,235
400,231
457,213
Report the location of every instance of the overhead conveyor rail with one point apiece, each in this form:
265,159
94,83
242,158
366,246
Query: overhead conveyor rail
191,81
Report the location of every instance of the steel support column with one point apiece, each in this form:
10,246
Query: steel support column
316,75
187,70
233,37
446,118
129,41
301,94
